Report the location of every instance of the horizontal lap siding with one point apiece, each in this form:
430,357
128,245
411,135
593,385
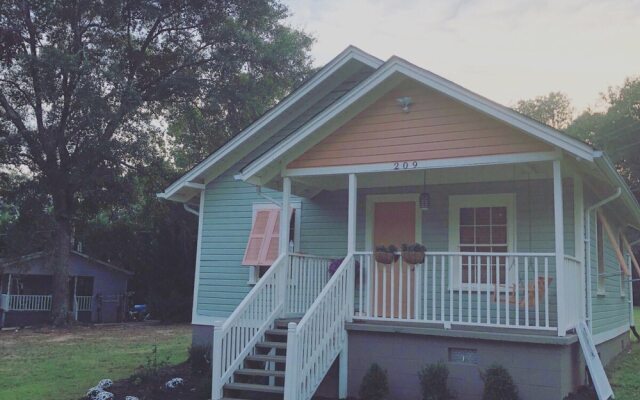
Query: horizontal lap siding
227,223
435,128
534,230
611,310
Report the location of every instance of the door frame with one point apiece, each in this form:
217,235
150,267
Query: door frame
371,201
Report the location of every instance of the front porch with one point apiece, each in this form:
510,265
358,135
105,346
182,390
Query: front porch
497,263
494,232
26,299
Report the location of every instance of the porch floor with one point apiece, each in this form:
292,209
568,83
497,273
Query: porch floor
463,331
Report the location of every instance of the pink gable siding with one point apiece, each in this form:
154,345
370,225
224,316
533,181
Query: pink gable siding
435,128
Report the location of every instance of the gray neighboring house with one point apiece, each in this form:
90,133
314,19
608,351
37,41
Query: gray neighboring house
97,290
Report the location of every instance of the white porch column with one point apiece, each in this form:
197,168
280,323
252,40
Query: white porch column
578,227
284,216
559,239
351,222
343,366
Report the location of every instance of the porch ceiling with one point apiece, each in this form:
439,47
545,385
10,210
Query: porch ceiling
308,185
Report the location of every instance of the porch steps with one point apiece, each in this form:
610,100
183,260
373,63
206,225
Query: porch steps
262,375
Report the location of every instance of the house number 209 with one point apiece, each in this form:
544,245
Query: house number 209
405,165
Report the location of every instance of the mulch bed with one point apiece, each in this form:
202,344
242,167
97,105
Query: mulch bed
196,387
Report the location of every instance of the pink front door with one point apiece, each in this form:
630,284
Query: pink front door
394,223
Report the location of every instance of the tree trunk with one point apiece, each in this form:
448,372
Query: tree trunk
60,312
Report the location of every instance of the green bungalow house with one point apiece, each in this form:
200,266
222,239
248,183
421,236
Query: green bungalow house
527,234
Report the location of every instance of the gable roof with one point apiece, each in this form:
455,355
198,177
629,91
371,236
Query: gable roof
395,67
267,164
4,262
193,181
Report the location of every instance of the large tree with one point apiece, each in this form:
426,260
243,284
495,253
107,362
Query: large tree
616,130
553,109
87,87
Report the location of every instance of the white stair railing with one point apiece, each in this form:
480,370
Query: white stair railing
314,343
307,276
236,337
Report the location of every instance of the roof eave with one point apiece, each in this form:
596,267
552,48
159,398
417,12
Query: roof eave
608,168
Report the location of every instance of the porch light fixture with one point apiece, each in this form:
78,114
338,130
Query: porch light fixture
425,197
404,103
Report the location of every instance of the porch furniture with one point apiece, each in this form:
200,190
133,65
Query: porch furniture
527,296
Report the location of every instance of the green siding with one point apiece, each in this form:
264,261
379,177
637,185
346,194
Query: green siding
227,219
610,310
227,222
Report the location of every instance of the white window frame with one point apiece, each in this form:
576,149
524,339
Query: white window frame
254,271
456,202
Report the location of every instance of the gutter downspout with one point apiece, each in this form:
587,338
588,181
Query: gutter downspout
587,241
190,209
270,199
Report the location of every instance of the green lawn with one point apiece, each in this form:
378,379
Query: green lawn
62,365
625,371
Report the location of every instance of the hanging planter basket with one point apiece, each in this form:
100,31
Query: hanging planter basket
413,257
384,257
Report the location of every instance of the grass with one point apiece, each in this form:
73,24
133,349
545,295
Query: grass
62,365
624,373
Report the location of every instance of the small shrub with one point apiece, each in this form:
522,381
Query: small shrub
200,359
375,384
150,371
498,384
433,382
583,393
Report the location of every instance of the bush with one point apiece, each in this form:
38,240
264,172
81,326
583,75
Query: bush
375,384
498,384
433,382
583,393
151,371
200,359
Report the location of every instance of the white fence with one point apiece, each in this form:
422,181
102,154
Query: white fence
515,290
84,303
29,302
314,343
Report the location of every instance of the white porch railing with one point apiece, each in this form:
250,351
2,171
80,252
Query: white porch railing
574,292
314,343
236,337
29,302
84,303
515,290
307,276
4,301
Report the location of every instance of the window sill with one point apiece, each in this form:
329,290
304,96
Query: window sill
600,293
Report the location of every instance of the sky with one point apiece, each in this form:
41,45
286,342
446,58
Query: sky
506,50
